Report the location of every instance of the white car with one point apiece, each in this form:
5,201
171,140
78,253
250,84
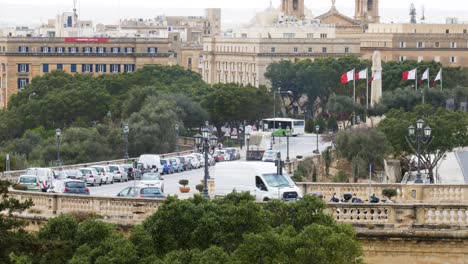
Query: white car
200,158
118,172
270,156
105,173
152,179
92,176
194,161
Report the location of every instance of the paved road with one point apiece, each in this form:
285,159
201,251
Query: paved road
463,162
171,184
303,145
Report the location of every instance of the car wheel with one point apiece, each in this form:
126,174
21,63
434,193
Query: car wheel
100,183
112,181
94,183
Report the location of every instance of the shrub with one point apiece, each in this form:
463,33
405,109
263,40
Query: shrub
310,126
389,193
200,187
341,177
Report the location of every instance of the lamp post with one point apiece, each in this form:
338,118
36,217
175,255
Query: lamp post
317,130
247,136
58,133
288,132
126,130
176,127
208,143
419,136
31,95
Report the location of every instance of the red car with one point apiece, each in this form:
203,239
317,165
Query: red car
219,156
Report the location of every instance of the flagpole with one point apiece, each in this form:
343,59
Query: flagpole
416,79
367,89
354,96
441,80
428,79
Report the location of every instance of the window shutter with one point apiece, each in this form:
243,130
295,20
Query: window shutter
27,67
19,83
19,67
111,68
82,68
148,50
27,49
19,49
118,67
105,66
90,68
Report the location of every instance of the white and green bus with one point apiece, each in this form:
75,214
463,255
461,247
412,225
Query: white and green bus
297,126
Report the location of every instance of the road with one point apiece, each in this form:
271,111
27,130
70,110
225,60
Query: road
302,145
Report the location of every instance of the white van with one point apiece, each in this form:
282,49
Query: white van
258,178
150,160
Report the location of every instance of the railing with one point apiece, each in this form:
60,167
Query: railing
131,211
112,209
13,175
406,193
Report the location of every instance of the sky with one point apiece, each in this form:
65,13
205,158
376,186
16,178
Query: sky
235,12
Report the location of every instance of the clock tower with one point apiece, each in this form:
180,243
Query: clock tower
367,11
293,8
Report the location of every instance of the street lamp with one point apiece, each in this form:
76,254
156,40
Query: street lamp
247,136
420,136
288,132
58,133
208,143
317,130
126,130
31,95
176,127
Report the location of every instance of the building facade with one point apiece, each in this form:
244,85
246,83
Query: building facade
245,60
21,59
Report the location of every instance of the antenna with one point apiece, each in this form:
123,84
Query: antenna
75,15
423,18
413,14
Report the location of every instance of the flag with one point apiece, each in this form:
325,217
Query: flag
362,75
409,75
347,77
377,76
439,76
425,75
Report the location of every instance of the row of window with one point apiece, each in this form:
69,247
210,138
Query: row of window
86,68
437,44
452,59
126,50
310,50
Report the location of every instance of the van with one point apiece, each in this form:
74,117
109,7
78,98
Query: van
150,160
46,176
260,179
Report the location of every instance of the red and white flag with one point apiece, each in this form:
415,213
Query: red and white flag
377,76
362,75
439,76
347,77
409,75
425,75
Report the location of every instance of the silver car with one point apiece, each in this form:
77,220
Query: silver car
118,172
104,172
92,176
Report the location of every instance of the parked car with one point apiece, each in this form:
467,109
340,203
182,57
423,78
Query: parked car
132,173
69,187
118,172
178,166
186,163
142,192
220,156
211,160
270,155
200,158
92,176
105,173
70,175
194,162
150,161
167,167
142,168
152,179
46,176
32,182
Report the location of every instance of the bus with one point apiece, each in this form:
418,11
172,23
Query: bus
297,126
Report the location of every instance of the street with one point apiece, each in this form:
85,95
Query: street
302,145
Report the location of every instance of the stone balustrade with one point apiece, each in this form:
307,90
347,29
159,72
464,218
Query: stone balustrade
406,193
125,211
131,211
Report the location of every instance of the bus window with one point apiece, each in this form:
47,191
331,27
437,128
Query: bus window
299,123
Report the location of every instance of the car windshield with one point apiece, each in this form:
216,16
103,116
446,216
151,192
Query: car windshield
99,169
163,162
151,177
150,191
86,171
270,154
275,180
28,179
113,168
75,185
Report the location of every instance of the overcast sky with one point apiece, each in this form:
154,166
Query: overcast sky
29,12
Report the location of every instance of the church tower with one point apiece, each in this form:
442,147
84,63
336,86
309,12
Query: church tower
367,11
293,8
